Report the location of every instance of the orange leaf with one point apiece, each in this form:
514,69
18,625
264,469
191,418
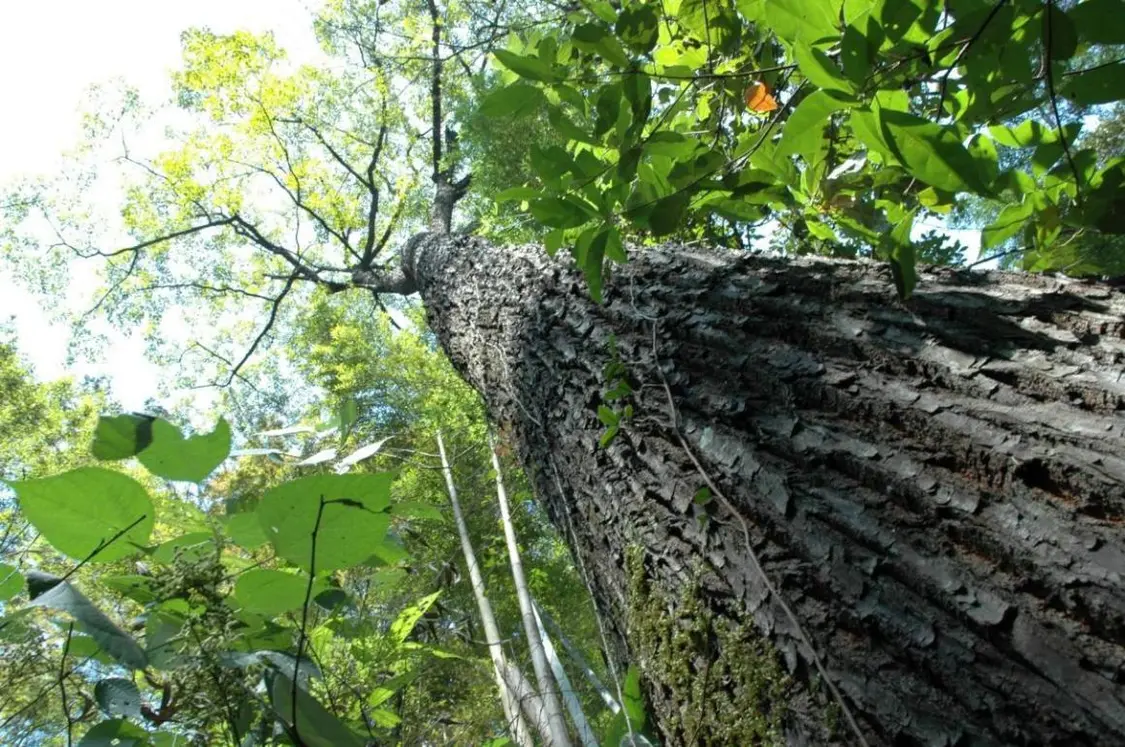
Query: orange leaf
758,98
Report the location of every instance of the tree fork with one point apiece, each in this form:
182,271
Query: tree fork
935,487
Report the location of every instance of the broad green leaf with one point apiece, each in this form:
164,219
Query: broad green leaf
531,68
191,547
384,718
803,132
859,47
245,530
85,647
820,70
165,640
114,641
1100,85
1099,21
272,593
121,436
633,714
353,518
80,511
11,582
807,20
386,689
1059,33
138,588
593,262
404,624
316,725
115,733
562,212
1027,134
932,153
190,459
902,256
595,38
667,213
1007,224
517,193
416,510
637,26
868,129
897,16
515,100
117,696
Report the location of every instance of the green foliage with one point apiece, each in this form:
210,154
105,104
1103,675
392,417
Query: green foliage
881,104
89,512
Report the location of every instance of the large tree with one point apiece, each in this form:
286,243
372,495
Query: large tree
816,499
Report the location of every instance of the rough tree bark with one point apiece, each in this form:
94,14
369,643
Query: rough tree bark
935,487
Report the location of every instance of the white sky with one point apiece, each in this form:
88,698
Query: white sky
51,52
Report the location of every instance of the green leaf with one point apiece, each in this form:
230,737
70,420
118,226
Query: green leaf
859,48
517,193
516,100
932,153
11,582
164,637
593,261
803,132
1099,21
1027,134
386,689
633,714
807,20
138,588
121,436
316,725
417,510
1059,34
353,519
1007,224
81,510
607,416
637,26
562,212
193,547
593,37
820,70
702,496
191,459
117,696
404,624
897,16
271,593
1100,85
902,256
531,68
115,733
65,598
667,213
245,530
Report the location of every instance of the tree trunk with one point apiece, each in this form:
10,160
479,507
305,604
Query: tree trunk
935,488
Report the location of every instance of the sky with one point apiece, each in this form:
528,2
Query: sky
51,52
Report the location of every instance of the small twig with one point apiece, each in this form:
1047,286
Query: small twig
303,634
961,53
62,686
1047,55
770,588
